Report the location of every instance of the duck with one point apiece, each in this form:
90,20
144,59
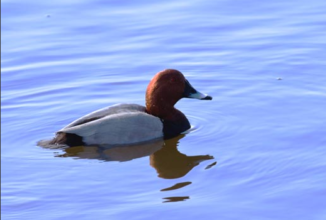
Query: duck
126,124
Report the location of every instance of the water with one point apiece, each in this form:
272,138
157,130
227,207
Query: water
256,151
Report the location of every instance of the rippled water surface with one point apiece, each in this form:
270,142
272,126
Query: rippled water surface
256,151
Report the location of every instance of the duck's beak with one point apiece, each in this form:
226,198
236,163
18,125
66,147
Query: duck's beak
190,92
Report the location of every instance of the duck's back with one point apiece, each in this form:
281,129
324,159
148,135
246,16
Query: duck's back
116,125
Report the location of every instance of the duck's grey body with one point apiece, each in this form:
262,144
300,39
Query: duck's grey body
116,125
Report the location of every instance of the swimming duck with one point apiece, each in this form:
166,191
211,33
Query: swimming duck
124,124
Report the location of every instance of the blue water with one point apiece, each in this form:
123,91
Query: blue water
256,151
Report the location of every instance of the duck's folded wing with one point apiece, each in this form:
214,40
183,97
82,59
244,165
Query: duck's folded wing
101,113
116,129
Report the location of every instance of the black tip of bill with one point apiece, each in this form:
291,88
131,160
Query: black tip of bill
207,98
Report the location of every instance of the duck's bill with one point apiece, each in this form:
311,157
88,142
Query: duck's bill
190,92
199,95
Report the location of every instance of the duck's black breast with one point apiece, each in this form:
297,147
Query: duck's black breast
174,128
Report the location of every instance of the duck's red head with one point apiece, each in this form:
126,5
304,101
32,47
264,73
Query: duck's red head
165,90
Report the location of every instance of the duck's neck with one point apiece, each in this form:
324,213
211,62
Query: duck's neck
165,112
162,108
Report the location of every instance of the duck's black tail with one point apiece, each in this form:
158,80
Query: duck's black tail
62,138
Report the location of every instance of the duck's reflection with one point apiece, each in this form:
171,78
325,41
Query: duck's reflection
170,163
109,153
164,156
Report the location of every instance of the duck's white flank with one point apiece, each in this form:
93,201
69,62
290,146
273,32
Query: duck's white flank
117,125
